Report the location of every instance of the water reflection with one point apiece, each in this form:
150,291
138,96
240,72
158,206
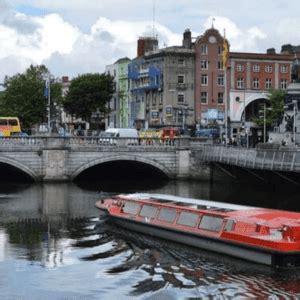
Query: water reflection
53,239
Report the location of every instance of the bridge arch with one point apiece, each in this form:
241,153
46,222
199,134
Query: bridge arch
19,166
122,157
250,98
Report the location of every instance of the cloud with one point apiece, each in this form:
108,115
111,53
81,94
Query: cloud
106,43
33,40
289,28
75,38
240,39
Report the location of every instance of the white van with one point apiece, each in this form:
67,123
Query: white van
122,132
110,136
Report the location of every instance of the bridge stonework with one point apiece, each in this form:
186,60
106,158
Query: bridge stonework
63,159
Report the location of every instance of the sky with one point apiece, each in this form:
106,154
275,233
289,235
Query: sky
73,37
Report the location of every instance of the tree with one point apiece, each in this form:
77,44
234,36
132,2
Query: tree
24,96
89,93
274,109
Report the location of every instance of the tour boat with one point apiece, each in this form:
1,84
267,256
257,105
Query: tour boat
261,235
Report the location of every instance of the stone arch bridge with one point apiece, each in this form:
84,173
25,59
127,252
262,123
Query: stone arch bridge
63,159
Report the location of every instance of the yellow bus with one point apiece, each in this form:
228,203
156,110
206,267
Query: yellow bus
9,126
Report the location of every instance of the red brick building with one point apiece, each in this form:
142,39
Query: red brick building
252,76
209,78
249,78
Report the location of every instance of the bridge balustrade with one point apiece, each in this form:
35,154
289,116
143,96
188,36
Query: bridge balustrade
268,159
44,142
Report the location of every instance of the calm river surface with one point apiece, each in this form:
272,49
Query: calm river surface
55,245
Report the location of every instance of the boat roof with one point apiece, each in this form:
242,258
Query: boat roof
162,198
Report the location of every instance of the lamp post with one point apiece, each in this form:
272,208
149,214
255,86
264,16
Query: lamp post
245,127
295,112
265,126
264,119
174,111
47,94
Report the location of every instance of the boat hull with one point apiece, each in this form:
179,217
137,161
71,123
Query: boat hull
249,253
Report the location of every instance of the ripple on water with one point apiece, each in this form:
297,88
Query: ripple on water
193,272
113,262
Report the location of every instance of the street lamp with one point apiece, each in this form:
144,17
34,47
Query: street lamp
295,112
47,93
244,121
264,118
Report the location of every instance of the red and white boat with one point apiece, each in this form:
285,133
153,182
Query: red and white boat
266,236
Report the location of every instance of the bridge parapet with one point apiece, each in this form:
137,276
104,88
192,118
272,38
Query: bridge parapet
268,159
44,142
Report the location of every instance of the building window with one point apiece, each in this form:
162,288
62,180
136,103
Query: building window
220,98
180,98
240,68
181,62
204,64
255,83
283,84
220,80
204,97
161,98
283,68
268,83
180,79
154,115
240,83
204,79
268,69
256,68
203,49
220,49
153,99
220,65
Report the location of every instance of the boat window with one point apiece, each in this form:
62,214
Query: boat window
167,214
131,208
148,211
229,225
188,219
211,223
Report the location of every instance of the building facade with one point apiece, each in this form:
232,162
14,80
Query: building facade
111,120
162,87
122,92
188,85
210,79
252,76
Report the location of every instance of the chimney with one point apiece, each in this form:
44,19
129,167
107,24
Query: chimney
146,44
271,51
187,39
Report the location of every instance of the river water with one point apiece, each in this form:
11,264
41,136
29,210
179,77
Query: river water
54,244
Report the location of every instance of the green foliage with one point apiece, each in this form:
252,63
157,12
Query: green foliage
24,96
274,108
87,94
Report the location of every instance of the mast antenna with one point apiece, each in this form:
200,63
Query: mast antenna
153,20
